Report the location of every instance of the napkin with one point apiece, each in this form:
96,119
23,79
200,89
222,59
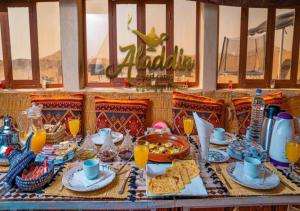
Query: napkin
204,128
80,179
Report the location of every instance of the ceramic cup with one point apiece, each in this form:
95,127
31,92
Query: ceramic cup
104,133
91,168
252,167
219,133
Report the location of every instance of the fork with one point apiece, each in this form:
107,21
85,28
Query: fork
219,171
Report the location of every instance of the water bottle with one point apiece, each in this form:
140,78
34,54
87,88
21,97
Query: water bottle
257,116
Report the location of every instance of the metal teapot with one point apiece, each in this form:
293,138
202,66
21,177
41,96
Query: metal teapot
9,136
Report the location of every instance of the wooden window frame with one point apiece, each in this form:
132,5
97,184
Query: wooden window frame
141,26
270,34
6,47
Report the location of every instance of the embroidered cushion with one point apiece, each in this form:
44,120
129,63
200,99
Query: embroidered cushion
121,114
185,104
60,107
243,108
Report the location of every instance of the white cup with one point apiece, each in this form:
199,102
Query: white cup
252,167
104,133
219,133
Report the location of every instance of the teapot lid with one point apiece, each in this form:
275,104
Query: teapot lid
285,115
7,127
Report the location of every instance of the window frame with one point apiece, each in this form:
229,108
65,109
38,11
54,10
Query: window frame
6,47
270,35
141,26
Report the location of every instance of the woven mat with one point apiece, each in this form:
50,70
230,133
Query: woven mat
238,190
109,192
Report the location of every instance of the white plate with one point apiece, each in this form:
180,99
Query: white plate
271,180
195,188
217,156
228,138
68,179
116,137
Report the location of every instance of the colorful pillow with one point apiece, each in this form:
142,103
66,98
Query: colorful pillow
60,107
243,108
185,104
121,114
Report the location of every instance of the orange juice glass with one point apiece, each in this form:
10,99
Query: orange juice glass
38,141
74,127
141,155
188,125
292,149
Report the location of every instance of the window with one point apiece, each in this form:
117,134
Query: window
30,50
107,28
268,49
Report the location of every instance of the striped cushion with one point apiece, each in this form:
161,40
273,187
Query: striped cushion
185,104
60,107
121,114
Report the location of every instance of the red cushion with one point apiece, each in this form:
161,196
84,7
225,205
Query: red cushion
60,107
243,108
121,114
185,104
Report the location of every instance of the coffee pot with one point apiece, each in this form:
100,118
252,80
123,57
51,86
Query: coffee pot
283,131
9,136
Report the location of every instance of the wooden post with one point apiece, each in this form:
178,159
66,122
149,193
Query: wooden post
209,46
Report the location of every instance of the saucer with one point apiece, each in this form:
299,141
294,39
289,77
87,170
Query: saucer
228,138
217,156
75,180
116,137
267,179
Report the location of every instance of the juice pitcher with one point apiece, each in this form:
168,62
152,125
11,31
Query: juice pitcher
35,125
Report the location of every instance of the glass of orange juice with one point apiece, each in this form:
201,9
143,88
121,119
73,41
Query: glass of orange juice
292,149
188,125
38,141
141,152
74,127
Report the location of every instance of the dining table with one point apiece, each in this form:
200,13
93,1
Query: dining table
219,193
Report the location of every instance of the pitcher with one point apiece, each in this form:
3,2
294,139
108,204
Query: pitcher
35,125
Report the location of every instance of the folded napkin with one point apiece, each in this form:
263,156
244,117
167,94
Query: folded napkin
80,179
204,128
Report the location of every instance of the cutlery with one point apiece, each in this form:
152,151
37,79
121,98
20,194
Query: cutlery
120,169
122,188
219,171
103,178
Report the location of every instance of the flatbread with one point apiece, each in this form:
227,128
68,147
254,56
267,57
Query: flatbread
173,172
183,172
162,184
190,165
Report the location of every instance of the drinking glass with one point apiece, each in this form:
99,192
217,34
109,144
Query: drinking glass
292,153
74,127
188,125
141,152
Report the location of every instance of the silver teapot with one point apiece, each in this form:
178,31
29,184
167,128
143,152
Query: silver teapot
9,136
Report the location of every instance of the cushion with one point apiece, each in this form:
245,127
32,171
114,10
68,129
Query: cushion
185,104
60,107
243,108
121,114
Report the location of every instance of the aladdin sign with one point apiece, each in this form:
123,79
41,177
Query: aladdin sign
138,58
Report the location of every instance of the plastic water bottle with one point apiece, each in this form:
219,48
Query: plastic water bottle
257,116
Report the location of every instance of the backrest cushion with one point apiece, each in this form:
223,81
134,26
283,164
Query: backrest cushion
121,114
60,107
207,108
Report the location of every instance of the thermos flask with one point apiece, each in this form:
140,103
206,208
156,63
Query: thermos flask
268,124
